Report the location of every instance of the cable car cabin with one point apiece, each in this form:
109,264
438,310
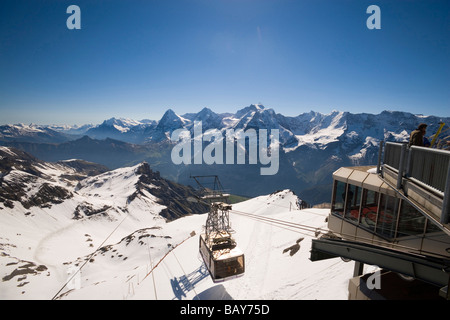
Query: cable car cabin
223,259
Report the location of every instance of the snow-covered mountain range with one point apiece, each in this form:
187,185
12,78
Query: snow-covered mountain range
313,129
312,145
71,230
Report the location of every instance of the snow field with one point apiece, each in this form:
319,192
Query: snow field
117,249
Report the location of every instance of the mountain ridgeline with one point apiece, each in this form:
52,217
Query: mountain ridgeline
86,189
312,145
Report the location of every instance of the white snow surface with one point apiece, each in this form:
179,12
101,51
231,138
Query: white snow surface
111,255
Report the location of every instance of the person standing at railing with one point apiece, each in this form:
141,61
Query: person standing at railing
417,136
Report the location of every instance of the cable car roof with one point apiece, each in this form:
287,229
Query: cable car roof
227,254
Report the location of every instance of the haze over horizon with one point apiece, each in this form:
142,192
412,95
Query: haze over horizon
136,59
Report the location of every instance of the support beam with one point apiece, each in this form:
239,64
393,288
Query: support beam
431,270
359,268
380,151
401,167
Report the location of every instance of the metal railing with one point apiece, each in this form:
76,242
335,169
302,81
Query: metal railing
392,154
429,166
424,166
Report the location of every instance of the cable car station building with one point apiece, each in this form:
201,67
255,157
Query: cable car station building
395,216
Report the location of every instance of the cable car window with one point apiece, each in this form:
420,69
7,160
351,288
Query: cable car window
228,267
339,198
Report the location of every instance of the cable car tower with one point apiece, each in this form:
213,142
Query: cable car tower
217,247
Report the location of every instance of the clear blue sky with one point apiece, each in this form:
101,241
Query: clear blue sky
136,59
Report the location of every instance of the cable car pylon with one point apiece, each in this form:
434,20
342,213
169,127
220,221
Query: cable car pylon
219,251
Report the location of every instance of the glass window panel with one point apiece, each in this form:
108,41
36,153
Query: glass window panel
387,216
411,221
369,209
353,203
339,197
431,227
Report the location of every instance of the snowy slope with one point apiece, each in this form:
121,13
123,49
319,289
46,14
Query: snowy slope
68,236
36,240
41,254
53,213
270,273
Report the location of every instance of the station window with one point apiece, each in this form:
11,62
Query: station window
411,221
387,217
353,203
431,227
339,198
369,208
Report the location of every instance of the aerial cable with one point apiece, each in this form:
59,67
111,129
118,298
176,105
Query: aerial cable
306,227
151,266
89,258
278,222
167,253
187,279
192,234
317,229
176,258
279,225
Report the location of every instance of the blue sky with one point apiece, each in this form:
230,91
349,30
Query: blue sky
136,59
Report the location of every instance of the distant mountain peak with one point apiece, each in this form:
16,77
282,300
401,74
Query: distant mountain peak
170,121
251,108
205,109
257,106
206,112
169,116
169,112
